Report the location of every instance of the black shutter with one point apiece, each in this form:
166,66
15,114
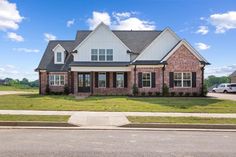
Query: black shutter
194,77
140,80
114,79
107,79
171,79
125,79
153,80
96,79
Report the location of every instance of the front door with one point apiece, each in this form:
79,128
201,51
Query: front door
84,82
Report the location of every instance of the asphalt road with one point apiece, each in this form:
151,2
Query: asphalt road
115,143
227,96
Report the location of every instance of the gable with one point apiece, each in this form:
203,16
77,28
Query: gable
187,46
160,46
101,38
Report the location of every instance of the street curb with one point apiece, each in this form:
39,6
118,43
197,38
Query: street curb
35,124
183,126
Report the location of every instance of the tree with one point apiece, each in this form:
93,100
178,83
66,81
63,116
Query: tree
213,80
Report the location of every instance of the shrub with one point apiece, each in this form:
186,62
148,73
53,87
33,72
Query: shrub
181,93
66,90
187,94
172,93
204,90
135,90
150,93
195,94
143,94
165,90
157,93
47,89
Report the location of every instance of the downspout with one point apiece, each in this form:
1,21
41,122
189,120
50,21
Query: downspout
203,68
135,75
163,76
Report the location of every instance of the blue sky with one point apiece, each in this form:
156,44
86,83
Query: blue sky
26,25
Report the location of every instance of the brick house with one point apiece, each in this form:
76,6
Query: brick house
107,62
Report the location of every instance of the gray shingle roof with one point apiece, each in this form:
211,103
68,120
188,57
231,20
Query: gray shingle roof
233,74
100,64
136,41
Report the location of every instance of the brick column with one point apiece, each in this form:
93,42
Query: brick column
43,77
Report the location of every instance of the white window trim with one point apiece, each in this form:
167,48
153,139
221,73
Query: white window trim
54,79
123,79
182,80
62,57
105,79
98,60
150,79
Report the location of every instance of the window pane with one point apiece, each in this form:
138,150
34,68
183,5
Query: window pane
187,75
94,54
87,80
146,80
177,75
80,77
59,57
120,80
57,78
109,54
102,80
187,83
178,83
62,80
101,54
51,80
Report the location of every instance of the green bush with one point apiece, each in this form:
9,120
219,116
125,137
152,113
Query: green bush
157,93
135,90
150,93
143,94
66,89
195,94
187,94
181,93
165,90
204,91
172,93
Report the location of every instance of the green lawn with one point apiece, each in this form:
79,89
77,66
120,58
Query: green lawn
44,118
182,120
12,88
113,103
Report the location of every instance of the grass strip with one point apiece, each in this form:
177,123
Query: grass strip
41,118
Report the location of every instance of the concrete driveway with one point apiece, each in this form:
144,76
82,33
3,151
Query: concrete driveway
223,96
13,92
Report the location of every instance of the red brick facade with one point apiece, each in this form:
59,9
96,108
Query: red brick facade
184,61
181,61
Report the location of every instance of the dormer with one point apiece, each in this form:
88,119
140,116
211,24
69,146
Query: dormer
59,54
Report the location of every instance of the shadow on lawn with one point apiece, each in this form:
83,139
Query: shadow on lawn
178,103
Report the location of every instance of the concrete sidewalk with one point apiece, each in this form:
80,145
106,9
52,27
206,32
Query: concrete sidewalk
160,114
104,119
13,92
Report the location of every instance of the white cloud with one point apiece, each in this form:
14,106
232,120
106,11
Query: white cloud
69,23
49,36
120,21
26,50
15,37
16,73
97,18
9,16
223,22
202,30
202,46
220,71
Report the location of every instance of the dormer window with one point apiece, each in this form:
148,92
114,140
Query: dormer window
59,58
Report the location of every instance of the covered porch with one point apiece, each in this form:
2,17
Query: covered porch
102,80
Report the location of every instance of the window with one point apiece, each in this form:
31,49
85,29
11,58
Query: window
146,79
94,54
119,80
182,79
59,57
109,54
102,80
102,55
56,80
